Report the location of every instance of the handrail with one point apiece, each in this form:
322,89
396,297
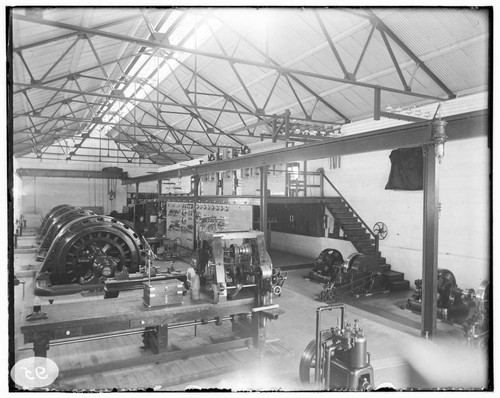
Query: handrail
354,211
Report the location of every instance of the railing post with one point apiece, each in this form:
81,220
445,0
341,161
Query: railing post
321,183
377,246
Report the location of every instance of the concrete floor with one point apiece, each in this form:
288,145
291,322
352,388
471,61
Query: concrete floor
399,356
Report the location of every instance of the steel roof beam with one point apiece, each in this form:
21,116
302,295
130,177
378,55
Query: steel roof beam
80,73
30,172
347,75
173,129
462,126
208,54
383,27
149,133
212,125
363,51
68,35
129,125
110,96
114,161
263,115
295,78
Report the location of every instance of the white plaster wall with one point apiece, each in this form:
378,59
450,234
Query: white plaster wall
309,246
48,192
464,229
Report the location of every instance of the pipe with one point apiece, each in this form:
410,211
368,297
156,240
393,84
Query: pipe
328,365
265,308
318,326
128,333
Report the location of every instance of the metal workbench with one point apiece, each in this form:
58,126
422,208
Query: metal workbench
88,320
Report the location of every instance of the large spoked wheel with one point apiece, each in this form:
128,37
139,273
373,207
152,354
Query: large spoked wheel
308,364
78,258
90,247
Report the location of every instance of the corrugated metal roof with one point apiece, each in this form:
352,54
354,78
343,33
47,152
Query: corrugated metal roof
450,42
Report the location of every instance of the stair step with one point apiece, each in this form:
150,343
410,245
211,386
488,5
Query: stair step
363,242
336,205
385,267
357,236
361,238
353,227
391,276
335,199
382,260
355,232
338,213
399,285
348,219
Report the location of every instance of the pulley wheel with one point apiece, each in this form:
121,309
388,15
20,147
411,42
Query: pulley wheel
308,364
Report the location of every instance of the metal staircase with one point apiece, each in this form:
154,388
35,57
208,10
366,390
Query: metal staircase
361,236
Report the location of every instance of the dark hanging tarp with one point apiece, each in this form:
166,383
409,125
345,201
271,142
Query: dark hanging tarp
407,168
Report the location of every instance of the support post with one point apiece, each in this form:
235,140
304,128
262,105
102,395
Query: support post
40,346
219,187
305,178
430,243
287,125
376,106
263,203
275,128
135,201
160,183
322,183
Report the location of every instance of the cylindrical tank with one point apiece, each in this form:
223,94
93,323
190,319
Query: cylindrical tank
357,354
355,357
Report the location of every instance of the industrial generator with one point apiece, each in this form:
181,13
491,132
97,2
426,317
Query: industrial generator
337,359
452,301
236,263
358,274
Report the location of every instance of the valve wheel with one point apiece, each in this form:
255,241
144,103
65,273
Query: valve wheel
380,229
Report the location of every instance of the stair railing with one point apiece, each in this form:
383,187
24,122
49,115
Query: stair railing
375,236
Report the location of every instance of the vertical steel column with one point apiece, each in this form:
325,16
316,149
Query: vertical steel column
218,188
160,182
34,195
263,203
430,243
322,183
305,178
136,200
